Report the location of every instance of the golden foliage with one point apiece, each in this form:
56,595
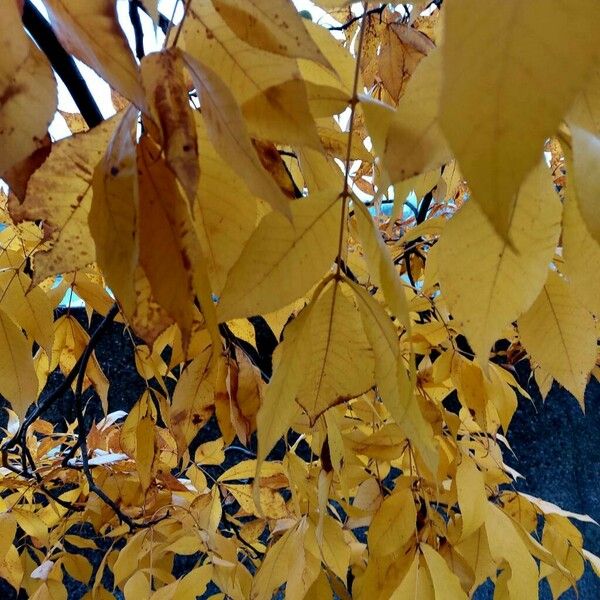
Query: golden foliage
297,340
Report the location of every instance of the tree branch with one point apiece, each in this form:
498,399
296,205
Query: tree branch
373,11
62,62
134,17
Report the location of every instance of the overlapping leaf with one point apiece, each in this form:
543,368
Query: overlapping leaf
503,99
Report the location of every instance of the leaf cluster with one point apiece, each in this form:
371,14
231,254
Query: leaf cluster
403,203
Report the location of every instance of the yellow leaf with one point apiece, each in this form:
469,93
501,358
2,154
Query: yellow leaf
144,450
148,319
336,355
60,193
31,523
445,583
78,567
487,282
169,248
90,31
247,468
29,307
503,99
392,379
114,212
402,48
18,381
581,252
559,334
169,106
381,267
275,27
393,525
137,586
225,212
475,550
335,141
279,407
509,551
70,341
272,504
319,171
245,71
8,529
584,123
334,547
193,401
27,91
11,568
228,134
281,114
414,142
280,556
470,489
128,558
416,583
210,453
259,281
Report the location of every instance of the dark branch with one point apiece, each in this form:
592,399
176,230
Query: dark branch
424,207
134,17
82,432
62,62
373,11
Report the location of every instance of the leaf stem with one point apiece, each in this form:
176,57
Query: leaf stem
353,102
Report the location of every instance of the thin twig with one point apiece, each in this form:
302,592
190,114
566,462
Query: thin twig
367,13
353,102
82,435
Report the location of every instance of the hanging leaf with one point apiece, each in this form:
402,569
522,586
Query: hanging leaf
169,106
27,92
487,282
60,194
414,142
503,99
113,216
227,131
90,31
559,334
258,282
18,382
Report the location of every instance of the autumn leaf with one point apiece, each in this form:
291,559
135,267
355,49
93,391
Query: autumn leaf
488,289
393,524
275,246
168,243
502,100
414,142
113,216
18,382
392,378
60,193
227,131
338,360
92,33
559,334
27,92
275,28
168,104
581,254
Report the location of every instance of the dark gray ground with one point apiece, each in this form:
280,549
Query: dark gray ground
557,447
